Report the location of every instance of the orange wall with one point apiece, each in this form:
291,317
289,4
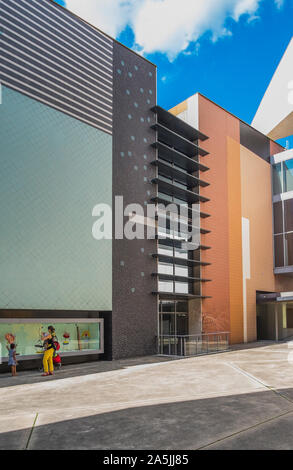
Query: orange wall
217,124
235,240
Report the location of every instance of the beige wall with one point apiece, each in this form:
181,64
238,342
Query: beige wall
256,197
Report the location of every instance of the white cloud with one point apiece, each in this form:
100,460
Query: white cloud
248,7
166,26
110,16
253,18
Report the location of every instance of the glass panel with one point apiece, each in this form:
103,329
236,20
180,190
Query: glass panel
172,223
71,336
182,324
181,234
277,179
165,178
165,196
166,286
289,317
180,253
165,250
279,251
180,184
180,201
162,229
181,287
181,271
167,306
289,249
278,217
288,175
164,268
288,209
168,324
182,306
179,168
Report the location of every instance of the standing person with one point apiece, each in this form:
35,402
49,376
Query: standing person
12,358
48,339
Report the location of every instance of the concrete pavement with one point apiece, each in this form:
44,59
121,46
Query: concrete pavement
241,399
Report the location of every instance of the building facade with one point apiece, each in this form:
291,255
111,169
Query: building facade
82,134
250,180
75,132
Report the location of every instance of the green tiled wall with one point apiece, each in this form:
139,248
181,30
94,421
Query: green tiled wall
53,170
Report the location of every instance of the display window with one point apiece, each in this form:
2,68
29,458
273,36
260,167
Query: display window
75,337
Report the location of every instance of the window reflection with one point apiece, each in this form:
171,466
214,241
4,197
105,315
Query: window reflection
279,251
277,179
288,175
283,177
288,210
289,249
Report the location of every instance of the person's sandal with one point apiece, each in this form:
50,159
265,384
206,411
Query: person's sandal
51,373
45,375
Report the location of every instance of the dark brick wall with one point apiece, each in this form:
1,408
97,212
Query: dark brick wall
107,316
134,317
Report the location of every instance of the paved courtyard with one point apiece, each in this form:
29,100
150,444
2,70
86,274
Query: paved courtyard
242,399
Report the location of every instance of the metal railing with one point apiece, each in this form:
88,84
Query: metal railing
193,345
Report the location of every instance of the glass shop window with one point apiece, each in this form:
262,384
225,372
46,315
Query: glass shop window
73,337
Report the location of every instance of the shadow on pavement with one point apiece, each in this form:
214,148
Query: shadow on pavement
258,420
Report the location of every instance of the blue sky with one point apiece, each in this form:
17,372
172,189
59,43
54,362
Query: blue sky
230,57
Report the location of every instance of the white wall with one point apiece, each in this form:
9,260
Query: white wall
274,116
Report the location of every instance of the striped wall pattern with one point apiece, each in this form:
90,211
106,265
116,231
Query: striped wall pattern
54,57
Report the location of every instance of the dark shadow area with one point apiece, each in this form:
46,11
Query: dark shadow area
185,425
77,370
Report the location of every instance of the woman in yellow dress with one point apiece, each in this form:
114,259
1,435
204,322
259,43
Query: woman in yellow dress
49,351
